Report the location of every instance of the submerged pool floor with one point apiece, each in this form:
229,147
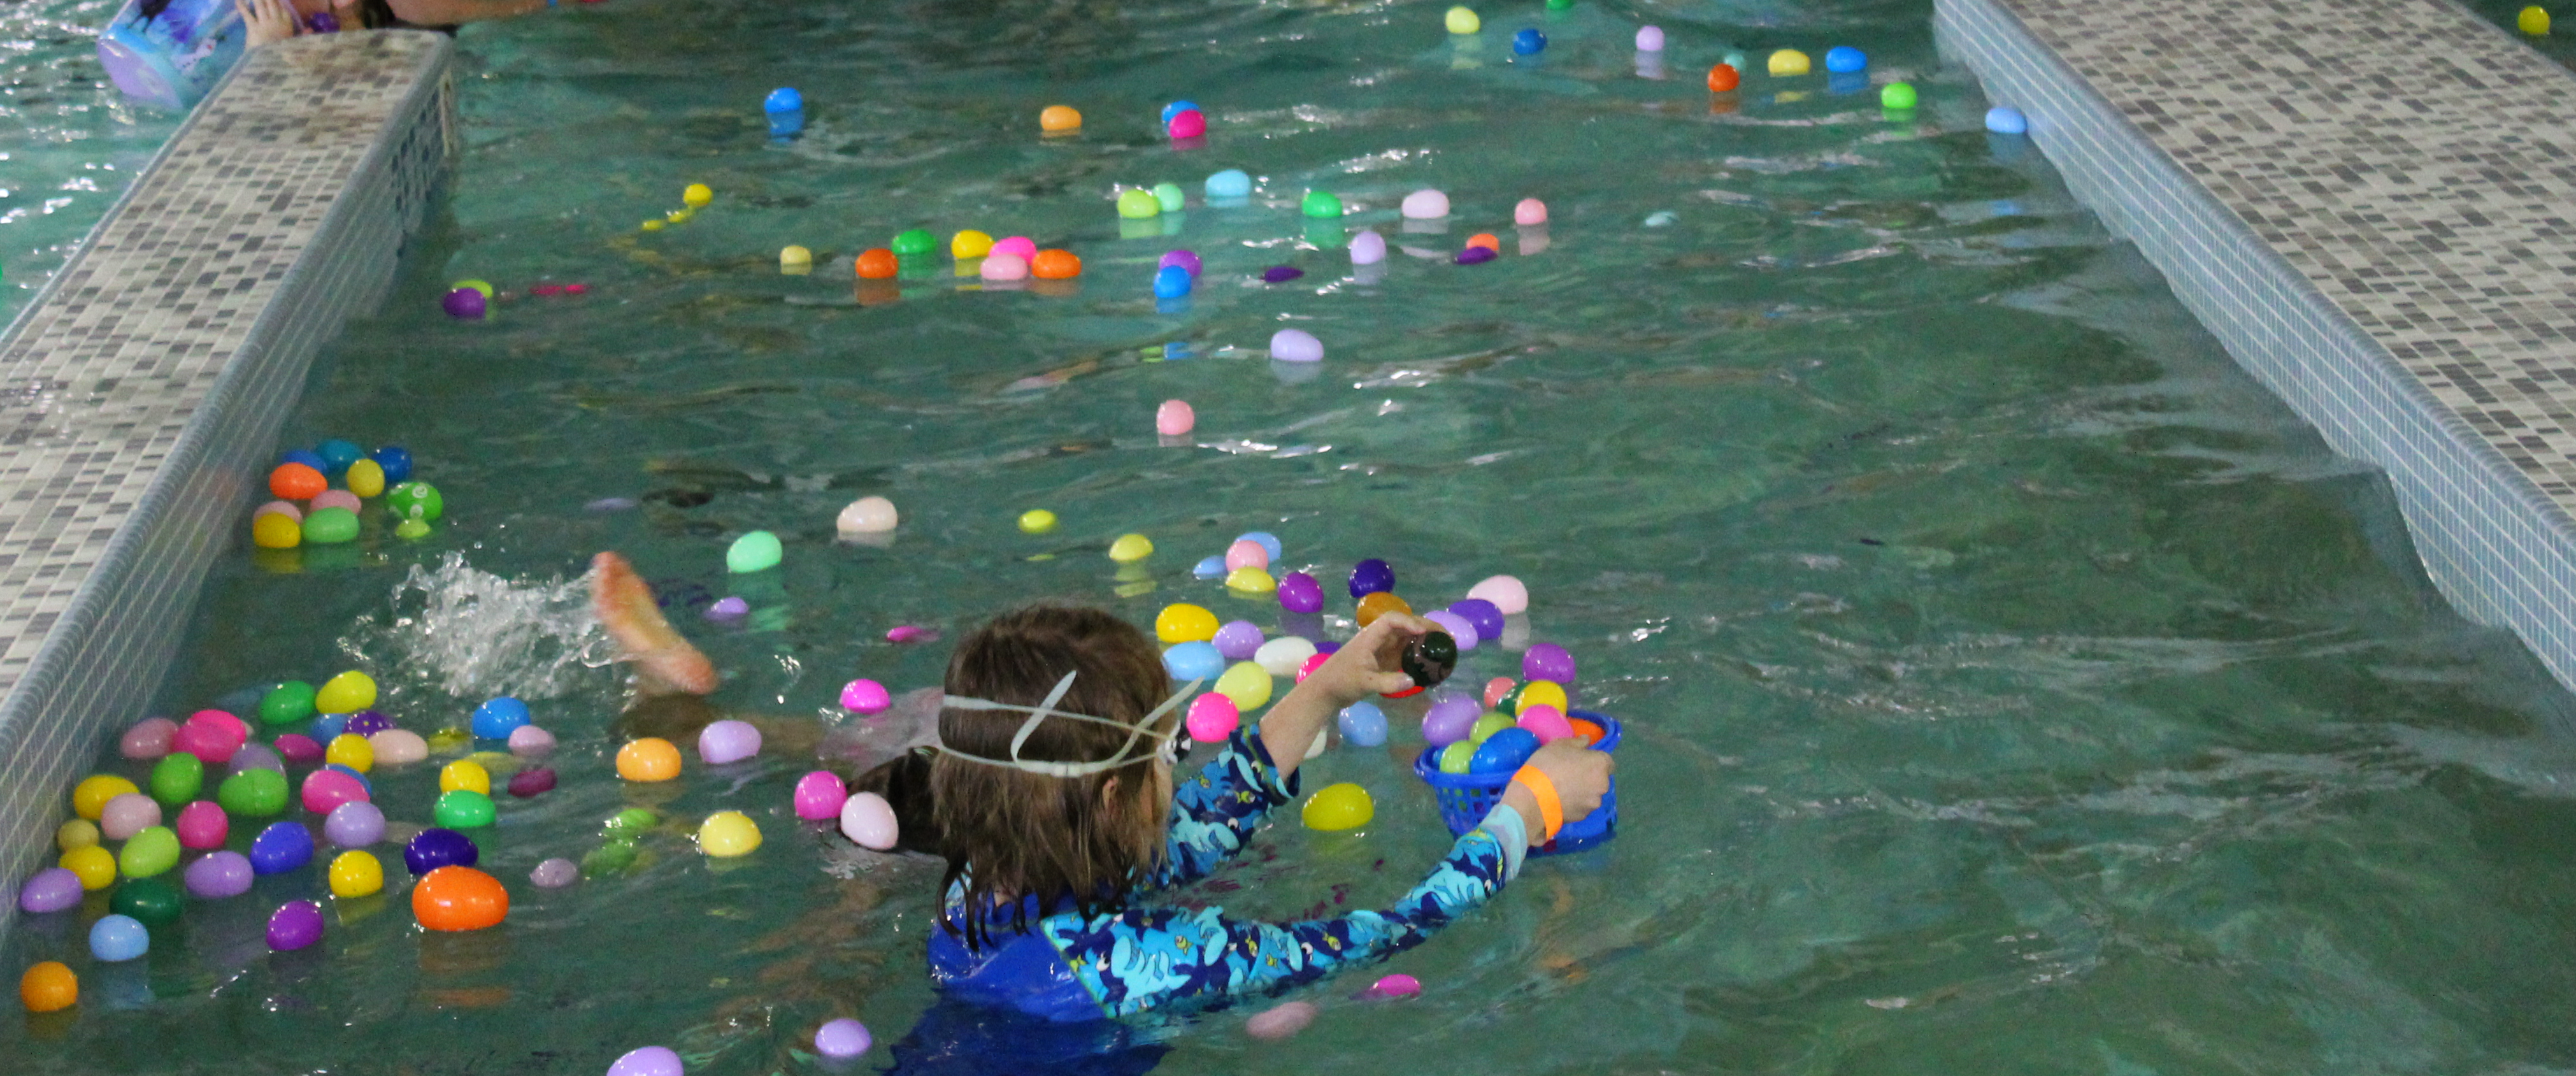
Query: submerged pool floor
2009,683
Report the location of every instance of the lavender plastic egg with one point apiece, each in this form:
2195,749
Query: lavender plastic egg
294,926
283,847
435,848
555,873
254,756
50,890
1187,260
355,824
728,741
1372,576
647,1061
128,815
219,875
1296,345
1547,661
1238,639
1449,719
1300,593
819,795
1482,615
842,1038
529,740
148,739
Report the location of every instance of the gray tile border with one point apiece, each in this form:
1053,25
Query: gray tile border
2370,203
142,391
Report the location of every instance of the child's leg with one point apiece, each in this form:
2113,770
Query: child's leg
665,663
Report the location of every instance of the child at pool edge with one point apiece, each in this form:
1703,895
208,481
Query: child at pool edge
1051,843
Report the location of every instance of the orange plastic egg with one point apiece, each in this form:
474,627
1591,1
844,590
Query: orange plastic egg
1059,118
877,264
1487,241
648,759
1723,78
1591,732
1055,265
459,898
50,986
1378,605
296,482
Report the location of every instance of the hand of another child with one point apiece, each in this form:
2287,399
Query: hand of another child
268,20
1581,775
1371,663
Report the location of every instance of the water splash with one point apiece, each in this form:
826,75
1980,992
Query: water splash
467,633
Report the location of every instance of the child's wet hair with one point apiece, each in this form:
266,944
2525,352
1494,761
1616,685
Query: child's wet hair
1008,831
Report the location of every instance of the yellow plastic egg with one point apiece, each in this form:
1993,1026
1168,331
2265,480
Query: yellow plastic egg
1788,62
2533,20
1541,693
89,798
1250,580
77,833
726,834
276,530
346,693
1037,521
1247,683
1338,807
696,195
1130,548
351,750
96,866
793,257
652,225
1462,20
970,244
356,874
1181,622
366,478
466,774
449,739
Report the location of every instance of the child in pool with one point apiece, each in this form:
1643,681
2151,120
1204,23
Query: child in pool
1050,792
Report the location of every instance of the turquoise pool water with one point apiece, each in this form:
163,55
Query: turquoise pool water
2010,685
69,143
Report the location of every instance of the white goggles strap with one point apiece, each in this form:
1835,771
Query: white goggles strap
1142,730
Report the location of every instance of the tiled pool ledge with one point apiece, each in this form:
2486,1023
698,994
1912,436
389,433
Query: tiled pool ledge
2369,203
143,389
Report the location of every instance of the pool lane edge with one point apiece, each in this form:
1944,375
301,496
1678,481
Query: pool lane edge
179,336
2499,548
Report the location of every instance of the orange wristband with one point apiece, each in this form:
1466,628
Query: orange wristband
1551,810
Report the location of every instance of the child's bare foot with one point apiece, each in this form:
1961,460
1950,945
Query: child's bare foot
665,663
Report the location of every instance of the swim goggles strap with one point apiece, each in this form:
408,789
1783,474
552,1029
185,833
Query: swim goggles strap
1142,730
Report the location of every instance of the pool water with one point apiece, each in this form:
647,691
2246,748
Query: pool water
69,142
2009,683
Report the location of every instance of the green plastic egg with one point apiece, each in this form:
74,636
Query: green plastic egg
1136,203
151,851
252,793
611,858
1455,757
463,808
916,241
330,526
1322,204
177,778
630,822
290,701
416,500
1171,198
149,901
1897,97
1488,725
754,552
411,528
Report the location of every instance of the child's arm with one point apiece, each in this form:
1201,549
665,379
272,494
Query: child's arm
1215,812
1367,665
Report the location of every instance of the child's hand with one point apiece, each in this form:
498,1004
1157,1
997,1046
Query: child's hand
268,20
1371,663
1581,776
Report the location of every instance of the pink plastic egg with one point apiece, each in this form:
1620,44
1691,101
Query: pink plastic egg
1246,553
1312,664
206,742
326,790
1213,717
1505,592
234,728
128,815
865,696
1495,689
869,820
528,741
1531,210
911,633
1190,124
820,795
1018,246
278,508
1546,722
336,498
203,825
148,739
727,742
1175,418
1396,986
1003,266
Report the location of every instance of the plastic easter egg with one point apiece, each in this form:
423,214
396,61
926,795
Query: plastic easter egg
128,815
220,875
660,1060
294,926
1312,663
48,987
842,1039
868,820
1650,39
1497,689
1209,568
346,693
1168,196
1504,751
528,741
864,696
1238,640
96,866
395,460
332,525
1182,622
1190,124
149,901
203,825
467,774
1400,985
462,809
1362,723
969,244
497,718
1057,119
648,759
1300,593
52,889
819,795
1546,722
355,824
1334,808
89,798
1250,581
1487,724
1477,255
867,515
432,849
1528,42
1449,720
152,850
1368,247
1371,577
415,500
1462,20
253,793
1130,548
1378,604
276,531
532,782
724,742
1535,693
366,478
115,939
1506,594
1547,661
212,742
1296,345
177,778
1055,265
1230,183
351,750
1018,246
148,739
298,749
728,834
1459,629
1844,59
1897,97
793,258
362,723
296,482
876,263
356,874
254,756
397,747
1787,62
282,847
2010,121
1724,78
555,873
1183,260
753,552
75,833
1004,266
459,898
1173,417
325,790
1425,204
1212,718
2532,20
912,241
1193,661
1283,656
1247,683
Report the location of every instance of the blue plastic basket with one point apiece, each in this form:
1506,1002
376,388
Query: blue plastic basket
1465,798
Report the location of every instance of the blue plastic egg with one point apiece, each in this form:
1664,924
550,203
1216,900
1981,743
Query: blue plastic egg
435,848
307,457
1372,576
497,719
1268,542
337,455
1210,568
783,99
117,938
1171,282
1176,108
1363,724
2002,120
396,460
328,726
1528,42
1231,183
1194,661
283,847
1843,59
1504,751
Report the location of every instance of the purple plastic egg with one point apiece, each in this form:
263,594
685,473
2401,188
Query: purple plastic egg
1238,639
1372,576
1281,274
148,739
1547,661
1188,261
219,875
729,607
555,873
1457,626
1300,593
367,723
535,782
1487,619
647,1061
727,742
842,1038
463,304
436,848
294,926
254,756
50,890
1449,719
128,815
202,825
300,749
1476,255
356,824
528,740
865,696
819,796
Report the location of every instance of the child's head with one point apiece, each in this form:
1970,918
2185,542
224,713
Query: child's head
1013,833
